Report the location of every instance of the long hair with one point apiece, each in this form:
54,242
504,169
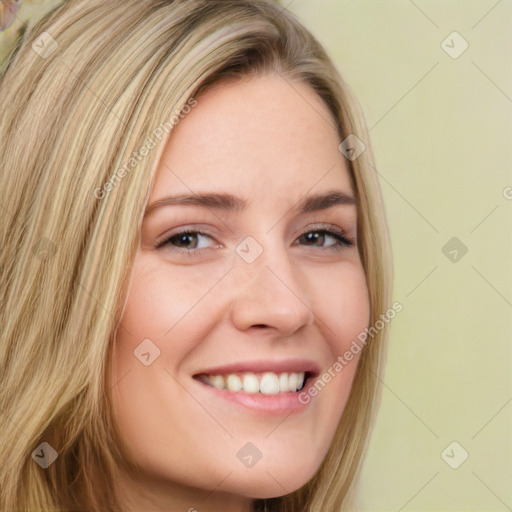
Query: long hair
85,90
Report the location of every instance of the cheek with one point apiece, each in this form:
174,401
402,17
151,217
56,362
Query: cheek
341,302
161,307
162,300
341,305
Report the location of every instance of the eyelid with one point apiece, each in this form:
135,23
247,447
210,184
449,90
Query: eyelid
160,242
322,226
343,240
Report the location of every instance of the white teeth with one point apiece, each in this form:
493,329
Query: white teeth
251,383
292,381
217,381
233,383
283,382
268,383
295,381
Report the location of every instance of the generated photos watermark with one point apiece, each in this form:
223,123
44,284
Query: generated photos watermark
145,149
343,360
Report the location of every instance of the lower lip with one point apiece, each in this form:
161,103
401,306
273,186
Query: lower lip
279,404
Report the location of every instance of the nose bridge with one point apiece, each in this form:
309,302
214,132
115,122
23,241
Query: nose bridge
267,289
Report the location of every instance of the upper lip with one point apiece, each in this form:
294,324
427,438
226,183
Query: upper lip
270,365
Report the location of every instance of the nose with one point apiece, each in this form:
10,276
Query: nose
269,293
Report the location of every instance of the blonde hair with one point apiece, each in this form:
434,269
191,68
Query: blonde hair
84,90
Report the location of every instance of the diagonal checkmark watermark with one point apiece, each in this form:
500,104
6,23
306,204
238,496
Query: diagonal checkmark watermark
198,301
286,491
424,13
216,487
404,96
13,217
404,199
428,483
486,14
328,120
491,285
98,98
423,280
194,193
281,421
200,404
302,195
485,218
492,81
491,491
406,405
113,386
485,425
16,425
75,279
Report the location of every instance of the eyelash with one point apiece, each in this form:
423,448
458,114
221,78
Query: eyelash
342,240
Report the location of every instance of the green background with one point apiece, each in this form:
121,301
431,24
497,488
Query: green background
441,128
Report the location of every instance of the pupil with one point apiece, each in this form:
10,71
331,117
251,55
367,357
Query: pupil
185,239
313,236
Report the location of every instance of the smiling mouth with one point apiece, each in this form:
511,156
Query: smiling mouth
265,383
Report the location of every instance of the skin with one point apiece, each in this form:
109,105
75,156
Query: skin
271,144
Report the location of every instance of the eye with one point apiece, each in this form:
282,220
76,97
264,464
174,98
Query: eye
335,238
190,241
186,241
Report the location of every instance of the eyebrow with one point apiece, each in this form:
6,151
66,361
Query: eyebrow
229,202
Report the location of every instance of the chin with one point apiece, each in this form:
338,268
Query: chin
272,482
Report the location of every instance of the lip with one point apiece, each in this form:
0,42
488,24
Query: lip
280,404
270,365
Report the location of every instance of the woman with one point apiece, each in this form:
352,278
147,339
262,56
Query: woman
194,253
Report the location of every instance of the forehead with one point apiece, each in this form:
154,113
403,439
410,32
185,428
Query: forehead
263,137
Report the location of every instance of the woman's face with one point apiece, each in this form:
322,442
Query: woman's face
247,280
